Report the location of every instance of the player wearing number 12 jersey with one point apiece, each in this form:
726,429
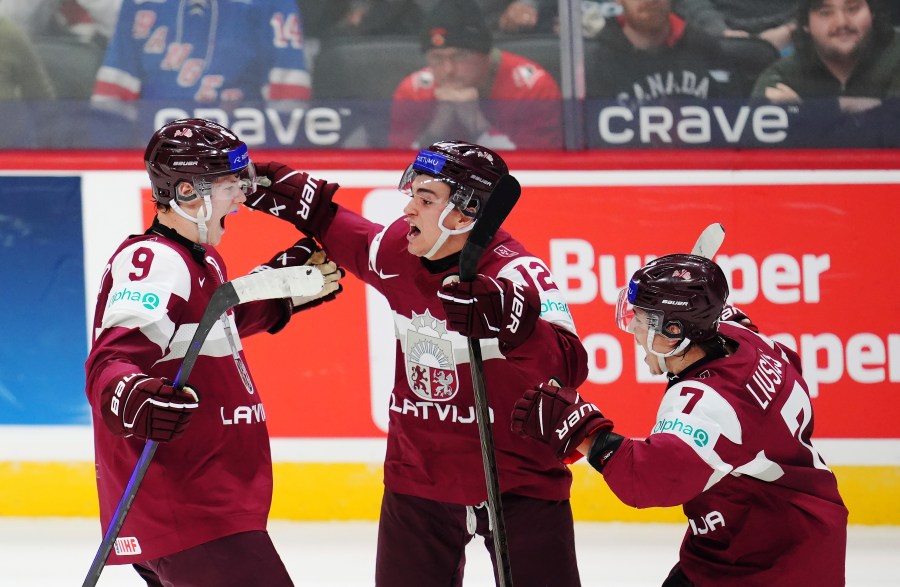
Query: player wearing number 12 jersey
433,472
731,443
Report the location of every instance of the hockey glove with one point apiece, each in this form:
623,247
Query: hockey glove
559,417
307,252
150,408
294,196
491,308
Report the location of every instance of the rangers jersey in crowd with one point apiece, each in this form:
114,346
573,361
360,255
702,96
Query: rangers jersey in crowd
523,106
433,448
732,443
206,51
216,479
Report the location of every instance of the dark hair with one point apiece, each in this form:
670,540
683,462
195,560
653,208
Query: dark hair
882,27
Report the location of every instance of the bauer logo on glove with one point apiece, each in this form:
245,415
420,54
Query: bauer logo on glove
294,196
559,417
489,307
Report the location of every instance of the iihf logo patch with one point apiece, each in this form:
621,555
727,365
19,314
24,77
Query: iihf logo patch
504,252
127,546
430,368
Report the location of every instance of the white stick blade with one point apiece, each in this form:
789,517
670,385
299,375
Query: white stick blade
286,282
710,240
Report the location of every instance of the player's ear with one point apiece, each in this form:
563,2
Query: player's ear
184,189
462,220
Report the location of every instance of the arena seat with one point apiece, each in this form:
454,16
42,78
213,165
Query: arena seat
750,56
364,67
542,49
71,64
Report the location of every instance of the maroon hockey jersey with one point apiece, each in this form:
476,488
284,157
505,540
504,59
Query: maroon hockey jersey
433,448
732,443
216,479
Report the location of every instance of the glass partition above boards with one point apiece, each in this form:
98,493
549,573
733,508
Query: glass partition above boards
399,74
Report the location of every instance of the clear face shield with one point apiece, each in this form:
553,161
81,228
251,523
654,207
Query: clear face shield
462,198
630,320
633,320
245,182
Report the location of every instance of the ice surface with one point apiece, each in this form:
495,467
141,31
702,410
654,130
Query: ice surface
56,552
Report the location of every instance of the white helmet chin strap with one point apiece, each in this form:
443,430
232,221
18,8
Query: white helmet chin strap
203,215
661,357
446,232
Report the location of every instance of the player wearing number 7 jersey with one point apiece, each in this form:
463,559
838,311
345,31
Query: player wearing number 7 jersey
731,443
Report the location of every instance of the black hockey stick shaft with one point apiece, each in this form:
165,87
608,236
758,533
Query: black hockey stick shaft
504,196
224,298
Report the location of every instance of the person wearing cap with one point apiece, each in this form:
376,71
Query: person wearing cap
472,91
434,481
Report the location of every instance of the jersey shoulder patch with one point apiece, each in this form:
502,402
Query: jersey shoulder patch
145,274
698,414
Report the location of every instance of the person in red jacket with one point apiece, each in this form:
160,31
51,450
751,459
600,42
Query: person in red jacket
731,443
200,516
434,482
471,91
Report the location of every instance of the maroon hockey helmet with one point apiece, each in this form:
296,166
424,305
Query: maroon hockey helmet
683,295
192,148
471,170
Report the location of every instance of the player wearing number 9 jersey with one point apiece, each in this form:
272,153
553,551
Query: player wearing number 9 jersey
731,443
200,515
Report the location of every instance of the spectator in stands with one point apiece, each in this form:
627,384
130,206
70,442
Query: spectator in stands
472,91
770,20
205,53
845,48
649,54
22,73
325,20
521,16
90,21
513,16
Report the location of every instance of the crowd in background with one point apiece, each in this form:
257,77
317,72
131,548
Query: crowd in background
460,66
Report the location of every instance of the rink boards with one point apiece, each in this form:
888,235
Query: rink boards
807,254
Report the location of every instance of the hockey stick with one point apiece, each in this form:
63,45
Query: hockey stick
503,197
709,241
265,285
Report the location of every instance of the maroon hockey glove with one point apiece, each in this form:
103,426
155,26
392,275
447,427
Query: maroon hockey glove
149,408
491,308
559,417
733,314
294,196
306,251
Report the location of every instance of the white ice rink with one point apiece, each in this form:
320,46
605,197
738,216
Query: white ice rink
42,552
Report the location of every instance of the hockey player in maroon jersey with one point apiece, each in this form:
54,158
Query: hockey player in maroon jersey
435,487
731,443
200,516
